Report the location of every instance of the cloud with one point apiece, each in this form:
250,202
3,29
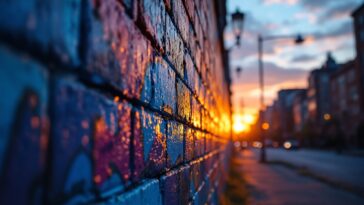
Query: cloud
246,88
339,11
288,2
310,17
304,58
274,73
316,4
343,29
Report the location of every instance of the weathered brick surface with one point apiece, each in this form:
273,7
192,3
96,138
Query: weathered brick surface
52,26
23,127
112,102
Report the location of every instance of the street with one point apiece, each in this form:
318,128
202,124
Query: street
343,169
275,183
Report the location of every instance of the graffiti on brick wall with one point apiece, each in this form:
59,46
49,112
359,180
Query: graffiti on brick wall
100,134
23,128
24,158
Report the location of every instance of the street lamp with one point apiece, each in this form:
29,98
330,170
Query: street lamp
238,24
238,71
298,40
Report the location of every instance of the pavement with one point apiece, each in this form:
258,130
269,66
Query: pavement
274,184
340,169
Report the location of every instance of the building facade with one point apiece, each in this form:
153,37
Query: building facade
300,111
345,88
286,99
318,92
358,23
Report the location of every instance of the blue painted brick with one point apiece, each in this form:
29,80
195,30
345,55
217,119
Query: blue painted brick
169,188
164,81
91,141
120,58
51,25
147,193
175,135
23,128
149,144
184,184
151,193
153,16
196,177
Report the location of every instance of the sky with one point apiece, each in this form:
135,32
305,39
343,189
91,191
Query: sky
325,24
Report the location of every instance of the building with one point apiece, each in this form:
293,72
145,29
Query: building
318,93
358,21
300,112
346,104
285,102
271,116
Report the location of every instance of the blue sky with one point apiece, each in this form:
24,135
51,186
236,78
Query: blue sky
326,24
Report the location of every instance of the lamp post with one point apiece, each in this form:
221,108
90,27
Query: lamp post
238,24
263,125
237,21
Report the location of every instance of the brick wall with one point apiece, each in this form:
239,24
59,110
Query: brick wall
113,101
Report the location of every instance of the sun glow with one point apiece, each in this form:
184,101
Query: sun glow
242,122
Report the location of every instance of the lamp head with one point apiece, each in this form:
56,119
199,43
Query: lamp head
299,39
238,24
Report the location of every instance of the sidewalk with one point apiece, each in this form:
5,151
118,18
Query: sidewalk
342,170
276,185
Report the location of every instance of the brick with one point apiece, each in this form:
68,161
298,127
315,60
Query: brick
169,188
183,101
199,149
52,26
120,58
190,7
24,127
152,15
131,198
164,82
208,143
202,16
191,71
167,3
199,197
82,118
174,46
150,133
184,184
175,135
196,113
202,195
152,193
196,179
201,93
189,144
198,58
147,193
199,31
131,7
182,21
